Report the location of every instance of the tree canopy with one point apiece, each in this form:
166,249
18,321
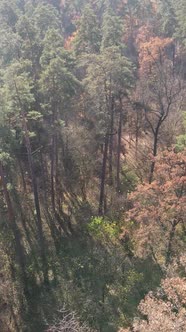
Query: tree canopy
92,165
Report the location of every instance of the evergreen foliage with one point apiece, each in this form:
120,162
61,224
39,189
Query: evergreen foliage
92,165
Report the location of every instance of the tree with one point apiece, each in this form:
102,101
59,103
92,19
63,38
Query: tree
88,37
181,139
112,30
108,79
18,100
46,17
4,158
71,103
160,86
58,85
159,209
180,15
165,310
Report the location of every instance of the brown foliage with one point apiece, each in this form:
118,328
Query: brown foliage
164,311
159,209
151,52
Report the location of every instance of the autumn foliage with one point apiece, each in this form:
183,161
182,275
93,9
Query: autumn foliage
165,311
159,208
152,52
92,196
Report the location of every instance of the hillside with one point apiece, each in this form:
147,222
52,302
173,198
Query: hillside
92,166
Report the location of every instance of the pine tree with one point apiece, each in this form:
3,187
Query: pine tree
88,37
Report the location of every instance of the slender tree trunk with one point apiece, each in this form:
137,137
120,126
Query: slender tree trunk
60,216
137,135
171,237
36,202
52,173
155,151
22,175
110,159
103,176
55,231
119,150
35,192
23,220
12,221
53,158
155,147
44,177
57,177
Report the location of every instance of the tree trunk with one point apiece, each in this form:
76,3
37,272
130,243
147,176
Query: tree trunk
171,237
153,162
137,134
35,192
52,173
155,150
58,185
119,150
12,221
22,174
36,202
103,176
110,159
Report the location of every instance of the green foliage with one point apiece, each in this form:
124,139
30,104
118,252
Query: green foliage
34,115
88,38
18,87
112,30
100,227
180,8
129,180
46,17
67,82
5,157
108,75
181,143
9,13
53,46
168,17
57,77
181,139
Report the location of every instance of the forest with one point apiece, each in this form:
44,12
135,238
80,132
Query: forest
92,166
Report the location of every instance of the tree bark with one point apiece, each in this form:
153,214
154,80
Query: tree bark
137,134
171,237
36,202
35,191
22,175
52,173
103,176
155,150
119,149
12,221
110,159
